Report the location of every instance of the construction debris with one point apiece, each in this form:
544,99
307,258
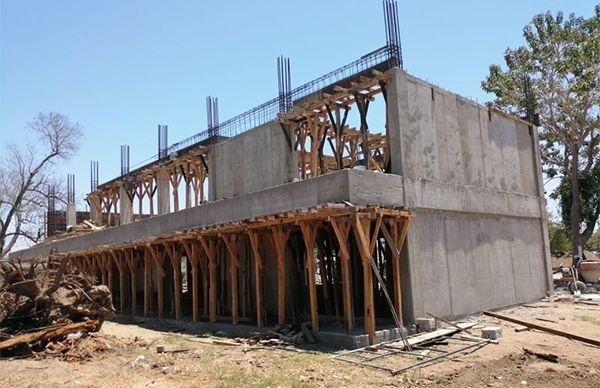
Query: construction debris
544,356
398,356
491,332
425,325
87,226
565,334
44,303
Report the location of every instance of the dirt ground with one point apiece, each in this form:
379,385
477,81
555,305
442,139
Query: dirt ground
207,364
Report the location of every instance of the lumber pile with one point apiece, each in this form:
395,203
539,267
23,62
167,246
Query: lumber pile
86,226
46,302
285,338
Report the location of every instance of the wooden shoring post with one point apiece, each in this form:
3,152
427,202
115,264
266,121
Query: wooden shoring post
175,179
140,192
84,264
279,236
95,266
324,277
362,226
158,256
301,133
151,189
210,249
147,279
338,127
187,179
341,228
192,251
395,239
314,128
104,272
362,103
131,260
258,268
205,270
121,266
175,260
109,272
233,246
309,232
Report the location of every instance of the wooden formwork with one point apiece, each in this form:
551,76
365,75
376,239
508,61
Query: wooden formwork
335,244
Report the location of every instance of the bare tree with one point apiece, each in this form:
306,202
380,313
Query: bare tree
25,174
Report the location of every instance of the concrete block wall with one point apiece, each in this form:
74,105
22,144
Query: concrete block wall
249,162
472,176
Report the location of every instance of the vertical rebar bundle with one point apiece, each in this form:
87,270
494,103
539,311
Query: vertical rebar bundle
212,116
93,176
124,159
284,82
51,213
530,104
392,32
70,188
51,199
163,142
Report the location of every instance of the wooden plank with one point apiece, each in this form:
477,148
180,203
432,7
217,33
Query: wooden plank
50,333
535,326
309,232
158,256
362,230
258,265
279,236
147,280
391,239
120,266
175,260
376,232
342,230
210,248
131,263
232,245
192,251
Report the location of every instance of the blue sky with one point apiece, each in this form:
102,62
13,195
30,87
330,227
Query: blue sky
121,67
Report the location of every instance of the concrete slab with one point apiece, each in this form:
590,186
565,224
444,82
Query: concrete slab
332,187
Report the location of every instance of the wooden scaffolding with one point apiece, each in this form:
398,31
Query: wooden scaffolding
332,245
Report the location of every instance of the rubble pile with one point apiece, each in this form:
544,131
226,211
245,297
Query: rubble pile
45,303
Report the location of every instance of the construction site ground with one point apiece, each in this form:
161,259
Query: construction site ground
200,362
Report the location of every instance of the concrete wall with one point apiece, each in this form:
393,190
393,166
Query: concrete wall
446,138
252,161
473,178
463,263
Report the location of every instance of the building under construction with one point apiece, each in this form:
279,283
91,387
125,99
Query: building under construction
291,213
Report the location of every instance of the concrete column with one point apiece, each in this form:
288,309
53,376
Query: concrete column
95,209
125,206
163,191
71,217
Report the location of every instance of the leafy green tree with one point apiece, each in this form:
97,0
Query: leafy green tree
593,244
560,66
559,238
589,190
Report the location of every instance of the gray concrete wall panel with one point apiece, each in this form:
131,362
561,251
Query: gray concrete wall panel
252,161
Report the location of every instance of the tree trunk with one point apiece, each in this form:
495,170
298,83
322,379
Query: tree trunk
575,205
